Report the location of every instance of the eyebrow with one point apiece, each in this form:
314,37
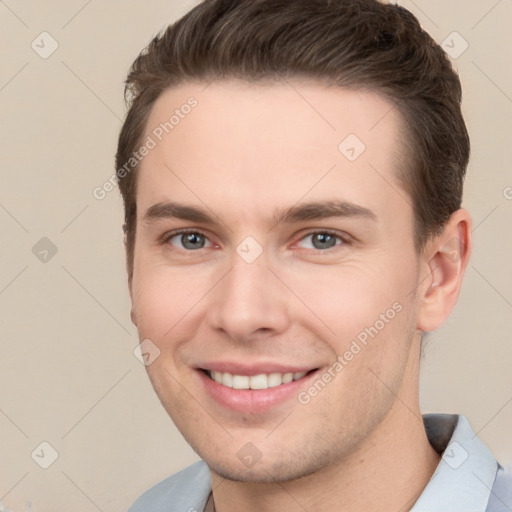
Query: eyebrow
296,213
323,210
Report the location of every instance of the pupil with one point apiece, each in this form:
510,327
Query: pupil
323,241
192,240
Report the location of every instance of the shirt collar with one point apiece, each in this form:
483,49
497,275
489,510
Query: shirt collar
464,477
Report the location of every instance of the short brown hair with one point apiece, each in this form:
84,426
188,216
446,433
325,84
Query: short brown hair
356,44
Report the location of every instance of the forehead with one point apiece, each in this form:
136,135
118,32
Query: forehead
232,143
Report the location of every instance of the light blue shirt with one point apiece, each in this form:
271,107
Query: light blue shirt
465,479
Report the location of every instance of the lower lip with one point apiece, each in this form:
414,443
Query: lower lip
253,400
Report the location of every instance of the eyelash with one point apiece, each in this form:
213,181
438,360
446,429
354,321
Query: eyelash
344,239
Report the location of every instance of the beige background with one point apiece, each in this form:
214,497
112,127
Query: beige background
68,375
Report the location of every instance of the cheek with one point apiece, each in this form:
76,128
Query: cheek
163,297
350,298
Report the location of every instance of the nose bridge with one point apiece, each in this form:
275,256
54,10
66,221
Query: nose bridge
249,299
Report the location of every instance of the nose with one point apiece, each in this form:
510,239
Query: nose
249,302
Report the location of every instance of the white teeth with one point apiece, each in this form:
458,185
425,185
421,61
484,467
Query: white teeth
261,381
227,379
240,382
274,379
258,381
287,377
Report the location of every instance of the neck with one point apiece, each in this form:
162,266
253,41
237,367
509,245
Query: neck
386,473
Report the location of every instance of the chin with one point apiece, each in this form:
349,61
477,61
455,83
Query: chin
265,472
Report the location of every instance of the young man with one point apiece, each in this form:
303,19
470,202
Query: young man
292,178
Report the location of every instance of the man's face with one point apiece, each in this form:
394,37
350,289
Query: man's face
298,257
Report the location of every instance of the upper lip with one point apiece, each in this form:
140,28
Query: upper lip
254,368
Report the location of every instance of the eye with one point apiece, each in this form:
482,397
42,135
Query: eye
321,240
188,240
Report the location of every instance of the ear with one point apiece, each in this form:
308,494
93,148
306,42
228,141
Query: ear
133,316
444,261
129,270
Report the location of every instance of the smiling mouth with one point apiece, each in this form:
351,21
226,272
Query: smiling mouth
261,381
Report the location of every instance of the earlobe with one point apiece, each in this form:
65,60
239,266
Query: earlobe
133,316
446,262
129,271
